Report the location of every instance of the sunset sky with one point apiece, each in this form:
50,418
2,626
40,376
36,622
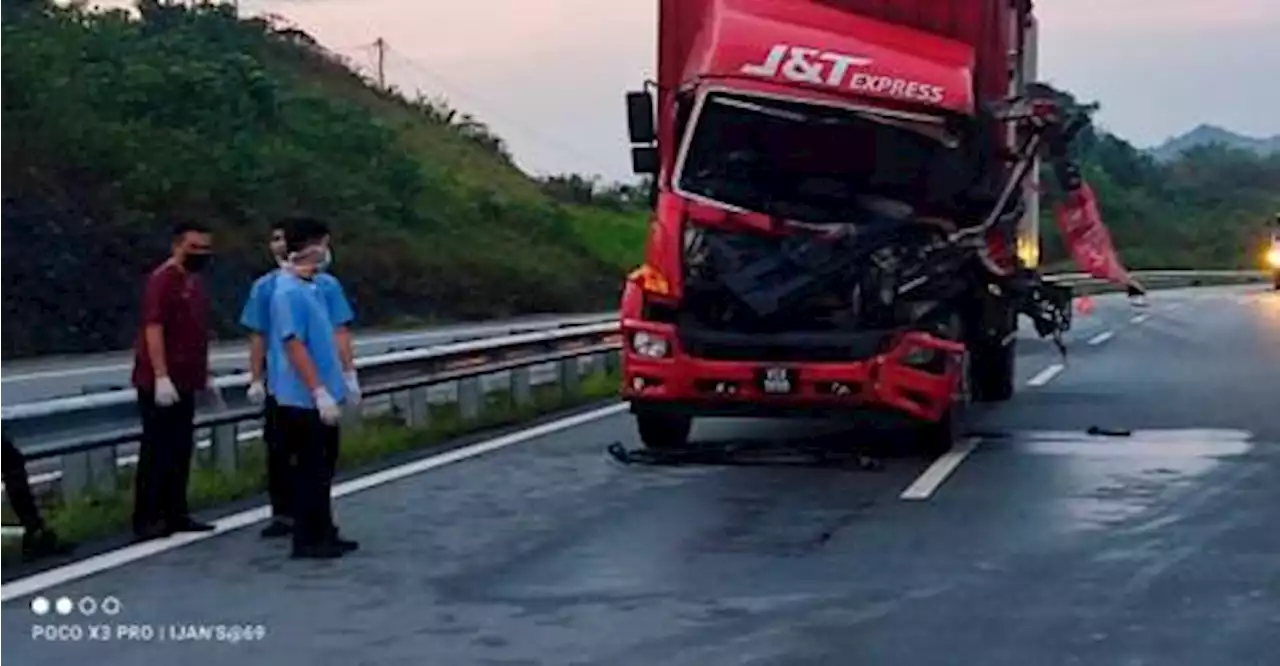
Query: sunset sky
549,75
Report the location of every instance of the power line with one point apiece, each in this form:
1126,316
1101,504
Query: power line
451,89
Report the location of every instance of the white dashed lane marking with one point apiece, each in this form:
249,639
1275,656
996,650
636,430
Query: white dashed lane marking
1045,376
924,486
1101,338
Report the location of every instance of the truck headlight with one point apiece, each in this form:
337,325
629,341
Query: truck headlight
1273,257
649,345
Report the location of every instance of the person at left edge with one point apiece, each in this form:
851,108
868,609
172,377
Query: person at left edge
38,539
256,316
171,365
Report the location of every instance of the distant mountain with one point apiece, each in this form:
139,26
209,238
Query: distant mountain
1210,134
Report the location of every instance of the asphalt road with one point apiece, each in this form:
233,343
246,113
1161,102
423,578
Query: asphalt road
1042,545
45,378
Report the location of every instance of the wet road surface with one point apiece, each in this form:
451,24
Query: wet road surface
1042,545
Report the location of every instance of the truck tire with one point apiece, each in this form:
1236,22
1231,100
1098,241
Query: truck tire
991,370
937,438
664,432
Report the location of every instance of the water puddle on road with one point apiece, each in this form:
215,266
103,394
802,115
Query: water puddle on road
1195,443
1100,480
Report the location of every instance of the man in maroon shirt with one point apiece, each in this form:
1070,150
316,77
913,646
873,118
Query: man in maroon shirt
171,365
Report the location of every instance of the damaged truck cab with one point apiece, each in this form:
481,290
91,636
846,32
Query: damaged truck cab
845,211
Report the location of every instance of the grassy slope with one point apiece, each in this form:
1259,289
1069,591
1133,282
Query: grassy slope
614,237
433,226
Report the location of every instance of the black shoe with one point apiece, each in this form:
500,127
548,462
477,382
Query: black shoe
347,545
43,542
190,524
318,551
157,529
276,529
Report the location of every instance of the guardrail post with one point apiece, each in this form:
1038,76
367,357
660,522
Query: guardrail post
419,408
76,473
102,468
470,398
226,447
569,376
521,386
400,405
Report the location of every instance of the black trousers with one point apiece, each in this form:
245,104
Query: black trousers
314,447
164,460
19,490
280,462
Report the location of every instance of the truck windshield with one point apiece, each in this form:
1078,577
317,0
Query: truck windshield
813,163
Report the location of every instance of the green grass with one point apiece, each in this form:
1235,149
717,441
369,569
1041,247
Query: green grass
425,203
618,238
100,514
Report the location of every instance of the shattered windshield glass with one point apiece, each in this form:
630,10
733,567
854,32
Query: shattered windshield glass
813,163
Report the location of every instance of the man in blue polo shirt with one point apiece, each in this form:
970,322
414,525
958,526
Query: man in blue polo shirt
256,317
305,375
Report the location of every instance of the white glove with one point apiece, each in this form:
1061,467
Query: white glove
257,393
166,393
353,387
329,412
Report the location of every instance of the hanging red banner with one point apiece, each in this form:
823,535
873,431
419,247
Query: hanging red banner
1088,240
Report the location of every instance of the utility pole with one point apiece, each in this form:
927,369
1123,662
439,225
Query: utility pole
381,45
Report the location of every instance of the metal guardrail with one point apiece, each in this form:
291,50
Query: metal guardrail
92,461
404,376
1085,284
240,380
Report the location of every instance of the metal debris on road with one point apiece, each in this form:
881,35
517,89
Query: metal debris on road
747,453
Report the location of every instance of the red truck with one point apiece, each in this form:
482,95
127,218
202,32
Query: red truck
845,211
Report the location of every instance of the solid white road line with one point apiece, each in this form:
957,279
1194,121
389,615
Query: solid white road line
118,558
1101,338
1045,376
1140,318
923,487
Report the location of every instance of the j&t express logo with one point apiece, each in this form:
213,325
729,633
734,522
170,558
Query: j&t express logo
803,64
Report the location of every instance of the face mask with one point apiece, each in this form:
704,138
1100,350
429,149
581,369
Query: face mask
302,265
196,262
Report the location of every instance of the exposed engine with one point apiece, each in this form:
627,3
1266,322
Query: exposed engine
878,274
862,264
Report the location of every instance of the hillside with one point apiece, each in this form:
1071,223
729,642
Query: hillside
115,126
1207,135
1206,208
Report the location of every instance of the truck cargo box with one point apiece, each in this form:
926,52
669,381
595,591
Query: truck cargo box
986,25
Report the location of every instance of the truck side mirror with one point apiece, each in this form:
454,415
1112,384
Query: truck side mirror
640,117
644,159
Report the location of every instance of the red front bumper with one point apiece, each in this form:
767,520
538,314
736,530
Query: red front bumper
696,385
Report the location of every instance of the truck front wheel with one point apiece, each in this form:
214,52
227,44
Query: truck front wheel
937,438
991,370
664,432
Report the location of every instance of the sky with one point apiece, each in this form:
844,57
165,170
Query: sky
549,75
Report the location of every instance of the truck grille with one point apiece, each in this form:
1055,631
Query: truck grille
799,347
